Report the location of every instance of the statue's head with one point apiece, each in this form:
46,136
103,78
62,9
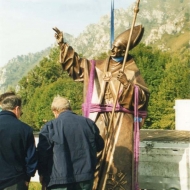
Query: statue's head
120,43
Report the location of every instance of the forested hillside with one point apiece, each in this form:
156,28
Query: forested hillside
167,76
19,66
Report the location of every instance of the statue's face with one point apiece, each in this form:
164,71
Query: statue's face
117,51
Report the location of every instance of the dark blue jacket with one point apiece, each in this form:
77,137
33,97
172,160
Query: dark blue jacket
18,157
67,149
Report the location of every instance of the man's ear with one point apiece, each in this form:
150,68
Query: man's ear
56,114
17,111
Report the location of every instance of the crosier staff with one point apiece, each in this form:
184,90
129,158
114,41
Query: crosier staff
136,10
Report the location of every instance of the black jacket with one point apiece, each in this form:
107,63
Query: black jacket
18,157
67,149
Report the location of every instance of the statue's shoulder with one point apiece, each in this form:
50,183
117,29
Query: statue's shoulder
131,65
100,64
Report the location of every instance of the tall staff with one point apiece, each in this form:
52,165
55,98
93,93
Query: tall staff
112,24
104,155
136,10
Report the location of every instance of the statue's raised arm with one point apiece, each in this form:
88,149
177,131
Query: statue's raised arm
69,59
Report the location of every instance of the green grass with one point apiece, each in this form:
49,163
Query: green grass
34,186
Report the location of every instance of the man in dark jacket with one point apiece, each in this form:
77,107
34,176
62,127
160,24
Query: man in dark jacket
67,149
18,157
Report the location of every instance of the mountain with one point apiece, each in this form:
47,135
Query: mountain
19,66
166,26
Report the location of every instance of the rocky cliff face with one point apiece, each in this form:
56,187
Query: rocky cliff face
159,18
166,24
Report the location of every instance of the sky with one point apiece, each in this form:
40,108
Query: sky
26,25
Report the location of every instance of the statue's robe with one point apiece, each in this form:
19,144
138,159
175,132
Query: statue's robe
114,170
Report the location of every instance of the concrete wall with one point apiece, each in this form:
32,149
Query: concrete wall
164,160
182,114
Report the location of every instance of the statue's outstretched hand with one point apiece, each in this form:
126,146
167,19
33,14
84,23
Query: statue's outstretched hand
58,35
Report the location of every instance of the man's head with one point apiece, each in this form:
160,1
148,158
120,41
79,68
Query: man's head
60,104
120,43
4,95
12,103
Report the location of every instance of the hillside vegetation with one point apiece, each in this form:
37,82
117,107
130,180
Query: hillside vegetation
18,67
